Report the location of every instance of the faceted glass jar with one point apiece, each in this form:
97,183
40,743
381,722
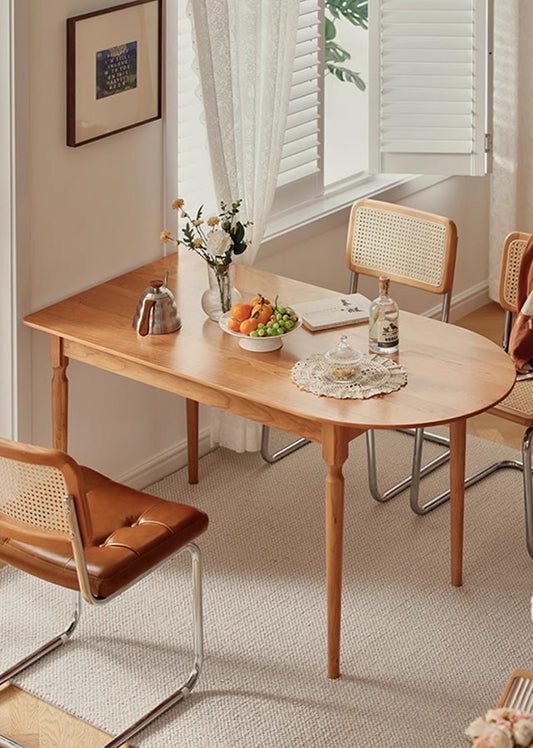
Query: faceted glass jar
342,361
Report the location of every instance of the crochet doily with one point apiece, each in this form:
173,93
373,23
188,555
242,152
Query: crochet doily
376,376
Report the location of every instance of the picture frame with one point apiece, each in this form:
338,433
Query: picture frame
113,70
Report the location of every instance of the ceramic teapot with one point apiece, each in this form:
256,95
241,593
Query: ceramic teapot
157,312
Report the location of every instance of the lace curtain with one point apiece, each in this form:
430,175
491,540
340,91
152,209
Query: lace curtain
511,207
245,55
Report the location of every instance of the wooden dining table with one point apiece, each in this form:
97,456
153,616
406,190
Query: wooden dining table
452,374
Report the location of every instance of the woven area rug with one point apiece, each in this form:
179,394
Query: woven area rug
419,659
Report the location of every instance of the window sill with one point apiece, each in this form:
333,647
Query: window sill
335,203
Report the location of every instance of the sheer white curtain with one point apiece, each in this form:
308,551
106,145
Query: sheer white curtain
512,171
245,55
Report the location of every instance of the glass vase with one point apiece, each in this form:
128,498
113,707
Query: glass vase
221,295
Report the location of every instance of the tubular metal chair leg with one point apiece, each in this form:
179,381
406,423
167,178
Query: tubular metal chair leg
418,470
273,457
189,684
54,643
525,466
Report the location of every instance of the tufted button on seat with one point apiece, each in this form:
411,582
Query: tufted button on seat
115,556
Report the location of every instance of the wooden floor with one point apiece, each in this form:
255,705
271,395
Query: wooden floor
36,724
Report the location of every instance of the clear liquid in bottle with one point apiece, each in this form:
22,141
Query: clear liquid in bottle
383,336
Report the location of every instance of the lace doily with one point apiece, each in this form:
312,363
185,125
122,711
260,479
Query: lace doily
376,376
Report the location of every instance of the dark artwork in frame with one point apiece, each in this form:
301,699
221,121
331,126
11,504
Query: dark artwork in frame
113,70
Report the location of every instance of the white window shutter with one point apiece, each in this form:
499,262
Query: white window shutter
301,168
428,86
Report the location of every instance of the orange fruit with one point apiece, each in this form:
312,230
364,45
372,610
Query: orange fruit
241,311
234,325
248,325
259,300
262,313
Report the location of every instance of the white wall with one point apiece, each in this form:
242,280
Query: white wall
97,210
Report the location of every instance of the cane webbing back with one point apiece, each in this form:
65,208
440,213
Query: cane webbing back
407,245
33,494
513,249
520,399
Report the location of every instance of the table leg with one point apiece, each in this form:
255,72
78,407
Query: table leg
59,394
334,452
192,440
457,496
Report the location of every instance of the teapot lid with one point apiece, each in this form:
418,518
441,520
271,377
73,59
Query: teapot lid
343,353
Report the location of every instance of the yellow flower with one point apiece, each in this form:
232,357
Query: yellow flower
197,242
165,236
197,223
175,242
178,203
213,221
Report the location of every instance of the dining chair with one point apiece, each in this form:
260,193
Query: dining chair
518,405
415,249
75,528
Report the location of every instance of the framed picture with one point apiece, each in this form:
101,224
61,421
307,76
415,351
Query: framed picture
113,70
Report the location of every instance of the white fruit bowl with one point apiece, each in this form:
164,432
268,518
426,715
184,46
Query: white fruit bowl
259,345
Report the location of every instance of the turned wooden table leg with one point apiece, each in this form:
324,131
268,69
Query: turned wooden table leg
334,452
457,496
59,394
192,440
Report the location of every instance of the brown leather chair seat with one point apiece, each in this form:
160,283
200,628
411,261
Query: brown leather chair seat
149,530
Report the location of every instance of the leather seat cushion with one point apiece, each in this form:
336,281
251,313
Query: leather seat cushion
132,532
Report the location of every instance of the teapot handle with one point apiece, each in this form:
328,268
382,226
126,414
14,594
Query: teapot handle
144,320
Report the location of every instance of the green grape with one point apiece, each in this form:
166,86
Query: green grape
275,325
260,326
262,332
254,334
289,324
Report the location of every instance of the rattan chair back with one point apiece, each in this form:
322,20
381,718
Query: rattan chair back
513,248
410,246
34,482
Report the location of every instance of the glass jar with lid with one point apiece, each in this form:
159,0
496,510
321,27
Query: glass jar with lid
342,361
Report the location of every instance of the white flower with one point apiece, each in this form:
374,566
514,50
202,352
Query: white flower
523,732
218,242
500,737
477,729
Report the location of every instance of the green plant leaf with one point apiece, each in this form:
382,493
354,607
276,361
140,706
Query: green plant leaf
346,75
334,53
330,32
354,11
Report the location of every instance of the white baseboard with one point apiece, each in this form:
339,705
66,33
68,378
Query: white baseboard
164,463
465,302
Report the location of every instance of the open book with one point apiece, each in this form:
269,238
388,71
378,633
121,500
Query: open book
333,311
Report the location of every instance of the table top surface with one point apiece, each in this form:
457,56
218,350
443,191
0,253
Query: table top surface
452,373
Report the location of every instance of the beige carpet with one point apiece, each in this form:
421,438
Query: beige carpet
420,659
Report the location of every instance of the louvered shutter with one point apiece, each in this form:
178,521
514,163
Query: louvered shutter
301,169
428,86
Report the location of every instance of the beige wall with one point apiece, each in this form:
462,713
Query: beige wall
316,253
94,211
97,210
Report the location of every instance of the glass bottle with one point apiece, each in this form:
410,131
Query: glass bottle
383,336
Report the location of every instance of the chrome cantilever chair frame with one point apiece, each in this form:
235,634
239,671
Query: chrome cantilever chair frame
518,405
85,590
443,283
64,636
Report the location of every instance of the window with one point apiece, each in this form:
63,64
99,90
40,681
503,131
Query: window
423,66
